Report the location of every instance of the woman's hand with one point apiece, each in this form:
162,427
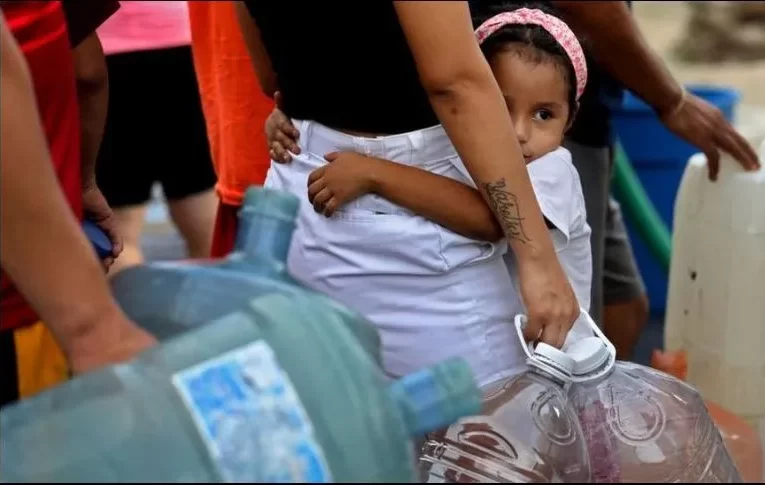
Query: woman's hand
345,178
282,134
551,305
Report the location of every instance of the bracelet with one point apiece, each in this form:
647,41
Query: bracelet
679,105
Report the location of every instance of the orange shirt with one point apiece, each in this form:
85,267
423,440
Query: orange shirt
235,107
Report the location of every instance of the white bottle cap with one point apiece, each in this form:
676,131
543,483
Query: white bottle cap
552,360
589,354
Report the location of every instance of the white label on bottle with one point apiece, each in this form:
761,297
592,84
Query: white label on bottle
251,419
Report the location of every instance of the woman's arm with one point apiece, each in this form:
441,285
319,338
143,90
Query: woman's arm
447,202
469,104
93,95
621,49
42,247
260,60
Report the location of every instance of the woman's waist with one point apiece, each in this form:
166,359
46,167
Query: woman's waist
419,148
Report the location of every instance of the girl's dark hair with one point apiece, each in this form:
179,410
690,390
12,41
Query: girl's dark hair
531,42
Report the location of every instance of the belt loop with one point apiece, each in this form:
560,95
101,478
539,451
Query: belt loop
415,139
305,127
361,144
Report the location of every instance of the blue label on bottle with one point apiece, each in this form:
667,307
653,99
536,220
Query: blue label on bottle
251,419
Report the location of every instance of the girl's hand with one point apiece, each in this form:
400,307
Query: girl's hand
347,177
281,133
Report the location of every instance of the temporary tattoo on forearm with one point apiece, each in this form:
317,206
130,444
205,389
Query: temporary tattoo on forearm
505,206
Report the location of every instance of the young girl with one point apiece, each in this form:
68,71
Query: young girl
541,70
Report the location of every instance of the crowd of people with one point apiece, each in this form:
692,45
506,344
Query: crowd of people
452,160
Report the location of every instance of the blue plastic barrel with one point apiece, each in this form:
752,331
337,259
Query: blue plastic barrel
659,159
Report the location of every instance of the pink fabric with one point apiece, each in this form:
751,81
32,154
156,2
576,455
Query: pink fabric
140,26
555,26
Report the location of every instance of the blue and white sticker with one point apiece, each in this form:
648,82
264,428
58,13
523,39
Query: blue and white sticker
251,419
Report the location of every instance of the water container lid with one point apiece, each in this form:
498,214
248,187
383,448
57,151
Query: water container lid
436,397
98,238
588,354
548,358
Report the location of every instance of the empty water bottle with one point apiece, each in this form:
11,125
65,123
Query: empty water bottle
526,433
278,385
169,298
642,425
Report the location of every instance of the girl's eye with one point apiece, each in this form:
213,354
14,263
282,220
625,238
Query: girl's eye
542,115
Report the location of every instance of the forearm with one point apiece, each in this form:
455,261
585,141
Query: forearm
619,47
42,248
260,60
446,202
469,104
478,123
93,96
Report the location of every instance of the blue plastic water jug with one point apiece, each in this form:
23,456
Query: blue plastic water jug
277,387
169,298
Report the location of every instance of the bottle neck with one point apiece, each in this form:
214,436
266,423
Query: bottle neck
598,375
550,374
263,237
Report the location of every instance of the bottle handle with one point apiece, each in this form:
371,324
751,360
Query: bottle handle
520,325
528,347
609,347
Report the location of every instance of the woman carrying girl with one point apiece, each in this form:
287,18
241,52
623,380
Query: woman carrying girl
389,239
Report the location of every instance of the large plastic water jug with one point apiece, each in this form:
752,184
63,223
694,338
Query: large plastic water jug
168,298
526,433
642,425
716,304
275,390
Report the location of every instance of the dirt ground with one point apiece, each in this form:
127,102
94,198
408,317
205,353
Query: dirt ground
664,23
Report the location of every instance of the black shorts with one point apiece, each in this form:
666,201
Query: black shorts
155,129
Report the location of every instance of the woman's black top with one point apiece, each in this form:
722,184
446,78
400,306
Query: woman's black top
343,64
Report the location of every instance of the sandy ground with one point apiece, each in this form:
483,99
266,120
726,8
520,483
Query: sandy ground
664,23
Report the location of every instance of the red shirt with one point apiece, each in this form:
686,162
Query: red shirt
40,29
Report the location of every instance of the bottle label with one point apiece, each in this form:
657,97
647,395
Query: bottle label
251,419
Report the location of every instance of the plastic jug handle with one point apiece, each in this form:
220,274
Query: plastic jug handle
520,324
528,347
583,314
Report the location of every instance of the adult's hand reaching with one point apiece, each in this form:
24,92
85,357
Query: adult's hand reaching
97,210
704,126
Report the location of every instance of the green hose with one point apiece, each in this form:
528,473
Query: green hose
639,209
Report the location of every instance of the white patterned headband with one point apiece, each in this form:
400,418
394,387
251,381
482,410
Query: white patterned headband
555,26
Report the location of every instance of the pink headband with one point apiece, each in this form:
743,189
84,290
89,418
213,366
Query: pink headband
555,26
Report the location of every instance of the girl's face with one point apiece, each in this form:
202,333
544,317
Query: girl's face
536,94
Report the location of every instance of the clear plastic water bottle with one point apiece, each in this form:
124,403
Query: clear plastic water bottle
527,432
642,425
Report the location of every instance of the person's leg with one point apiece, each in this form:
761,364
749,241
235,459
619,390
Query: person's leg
194,216
224,232
131,221
625,300
186,171
593,165
124,170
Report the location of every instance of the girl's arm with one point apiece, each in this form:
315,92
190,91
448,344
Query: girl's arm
447,202
469,104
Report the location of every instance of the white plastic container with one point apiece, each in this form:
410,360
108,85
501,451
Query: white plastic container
716,301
